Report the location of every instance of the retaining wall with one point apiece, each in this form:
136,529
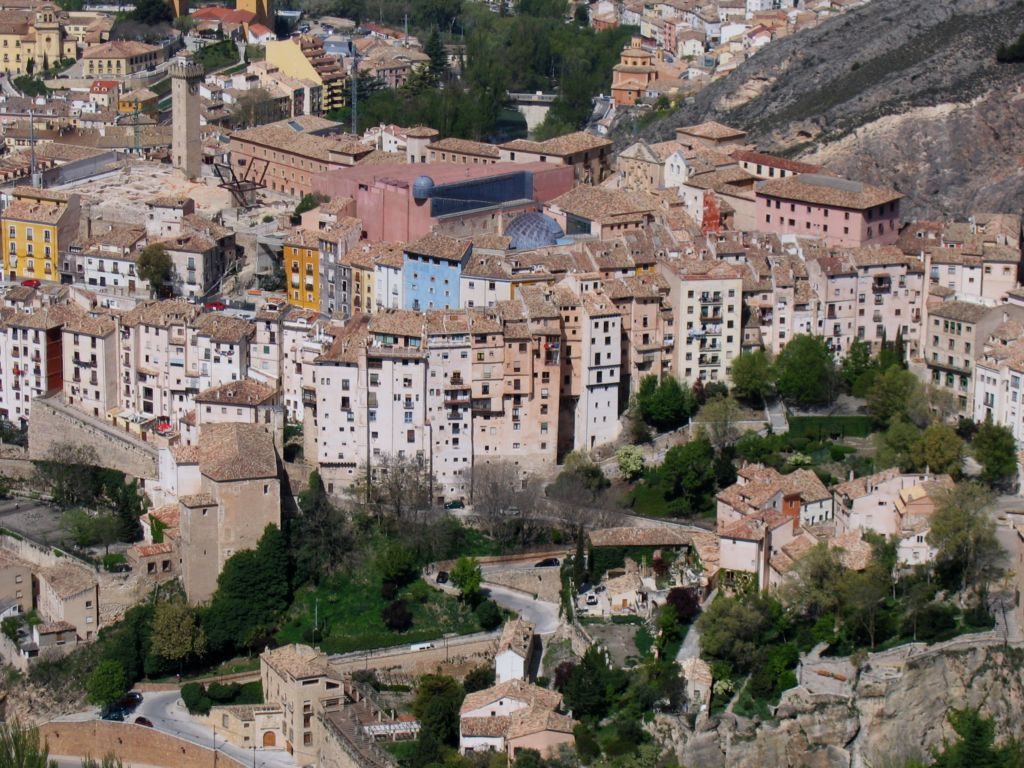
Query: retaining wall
132,743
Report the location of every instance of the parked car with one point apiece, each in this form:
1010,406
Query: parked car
591,599
113,713
599,588
216,306
455,505
31,283
442,577
511,512
547,562
140,720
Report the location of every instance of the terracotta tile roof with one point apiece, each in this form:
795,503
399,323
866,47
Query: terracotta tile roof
525,722
862,486
68,580
34,212
348,342
961,311
234,451
185,454
168,514
243,392
560,146
440,247
805,483
763,158
421,132
116,49
826,190
485,727
515,689
466,147
600,204
152,550
397,322
697,269
161,314
224,329
640,537
712,130
91,325
855,553
298,662
516,636
55,627
195,500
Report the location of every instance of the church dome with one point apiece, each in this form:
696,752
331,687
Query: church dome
533,230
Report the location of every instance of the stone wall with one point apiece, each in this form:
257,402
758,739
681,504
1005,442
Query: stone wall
456,656
39,555
134,744
53,422
545,583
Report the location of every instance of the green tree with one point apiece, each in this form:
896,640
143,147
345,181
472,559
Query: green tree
308,203
10,627
975,746
467,576
78,525
664,405
252,591
897,392
863,598
733,629
752,376
109,760
964,534
107,683
152,13
396,616
688,474
898,446
320,536
479,678
813,591
436,706
489,615
805,372
588,691
856,363
919,597
996,450
21,747
154,265
718,417
940,450
631,462
176,636
438,58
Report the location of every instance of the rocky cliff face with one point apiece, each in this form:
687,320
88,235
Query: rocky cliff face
905,92
892,716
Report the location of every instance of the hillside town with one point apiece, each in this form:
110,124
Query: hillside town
392,448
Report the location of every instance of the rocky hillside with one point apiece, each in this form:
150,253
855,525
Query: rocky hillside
906,92
893,715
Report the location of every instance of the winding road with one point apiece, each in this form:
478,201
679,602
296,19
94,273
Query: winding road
542,614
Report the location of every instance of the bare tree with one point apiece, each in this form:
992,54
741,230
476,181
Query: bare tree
505,498
255,107
719,416
397,485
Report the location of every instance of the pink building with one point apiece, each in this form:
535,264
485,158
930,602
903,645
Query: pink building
398,202
840,211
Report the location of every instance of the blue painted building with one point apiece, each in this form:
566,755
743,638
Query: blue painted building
431,269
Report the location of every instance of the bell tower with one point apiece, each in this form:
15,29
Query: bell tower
186,146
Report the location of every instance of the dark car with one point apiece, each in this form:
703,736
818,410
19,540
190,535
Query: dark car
140,720
547,562
128,702
113,713
455,505
442,577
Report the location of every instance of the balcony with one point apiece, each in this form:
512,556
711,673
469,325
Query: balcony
708,360
711,298
879,298
458,399
455,380
308,397
881,284
711,318
876,318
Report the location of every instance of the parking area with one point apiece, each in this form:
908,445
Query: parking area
35,520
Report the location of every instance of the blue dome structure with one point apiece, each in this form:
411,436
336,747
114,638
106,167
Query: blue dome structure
533,230
421,188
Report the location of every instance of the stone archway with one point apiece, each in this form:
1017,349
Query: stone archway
269,739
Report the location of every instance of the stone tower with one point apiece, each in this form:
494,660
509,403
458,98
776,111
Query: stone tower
186,146
49,38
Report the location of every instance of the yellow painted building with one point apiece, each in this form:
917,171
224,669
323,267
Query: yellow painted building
304,58
35,39
37,224
301,267
264,9
120,58
142,99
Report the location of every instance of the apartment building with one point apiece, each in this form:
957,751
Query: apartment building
840,211
16,581
304,58
648,326
588,155
31,358
955,334
301,681
69,593
38,34
431,270
997,379
706,298
334,275
301,265
89,346
106,258
37,224
450,398
598,404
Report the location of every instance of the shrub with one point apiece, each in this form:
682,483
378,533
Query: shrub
195,699
586,745
220,693
489,615
397,616
479,678
937,621
419,591
267,219
979,617
112,560
388,590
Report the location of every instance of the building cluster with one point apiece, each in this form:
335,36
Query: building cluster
683,45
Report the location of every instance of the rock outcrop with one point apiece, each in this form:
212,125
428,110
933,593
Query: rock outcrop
902,92
893,715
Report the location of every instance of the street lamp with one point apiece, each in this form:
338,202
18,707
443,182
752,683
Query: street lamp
253,755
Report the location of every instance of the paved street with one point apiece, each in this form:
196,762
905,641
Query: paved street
169,715
690,649
542,614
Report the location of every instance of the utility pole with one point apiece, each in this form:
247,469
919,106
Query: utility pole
355,90
136,127
33,167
